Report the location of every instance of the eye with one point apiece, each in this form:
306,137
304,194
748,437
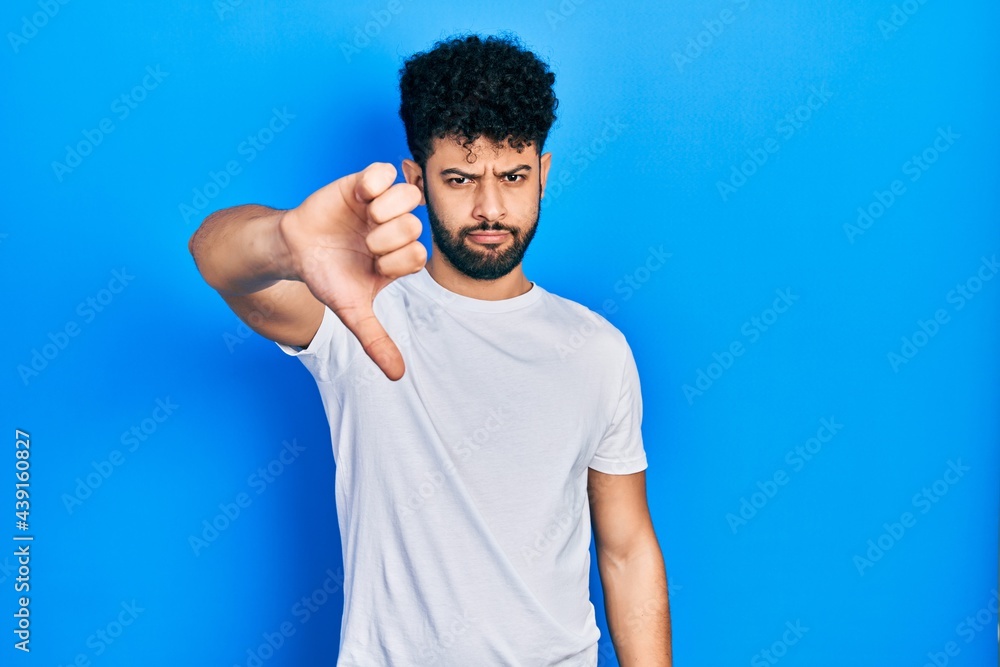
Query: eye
515,177
456,179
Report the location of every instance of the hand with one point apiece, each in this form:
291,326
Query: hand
350,239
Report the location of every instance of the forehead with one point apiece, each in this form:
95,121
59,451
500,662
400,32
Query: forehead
449,151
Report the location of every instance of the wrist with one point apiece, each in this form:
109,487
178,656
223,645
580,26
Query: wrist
282,262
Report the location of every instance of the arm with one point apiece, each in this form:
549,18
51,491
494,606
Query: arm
278,270
632,571
241,253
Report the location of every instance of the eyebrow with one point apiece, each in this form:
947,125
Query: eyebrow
465,174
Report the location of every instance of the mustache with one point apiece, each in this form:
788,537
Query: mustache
487,227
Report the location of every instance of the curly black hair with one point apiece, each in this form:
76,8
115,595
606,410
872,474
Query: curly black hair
469,87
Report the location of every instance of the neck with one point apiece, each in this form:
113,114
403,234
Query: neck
513,284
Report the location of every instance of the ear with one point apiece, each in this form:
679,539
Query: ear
545,162
414,175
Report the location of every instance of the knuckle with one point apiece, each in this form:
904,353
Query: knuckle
419,253
413,226
375,211
373,244
413,192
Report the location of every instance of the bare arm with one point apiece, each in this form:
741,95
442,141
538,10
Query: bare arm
277,269
241,253
632,571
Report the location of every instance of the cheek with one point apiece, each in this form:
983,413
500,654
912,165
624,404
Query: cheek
524,210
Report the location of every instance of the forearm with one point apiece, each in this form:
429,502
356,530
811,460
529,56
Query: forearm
637,606
240,250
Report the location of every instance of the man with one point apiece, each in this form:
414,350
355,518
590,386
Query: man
467,441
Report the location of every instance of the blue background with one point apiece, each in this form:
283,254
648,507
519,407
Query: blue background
698,94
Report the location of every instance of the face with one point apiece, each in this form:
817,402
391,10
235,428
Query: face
483,214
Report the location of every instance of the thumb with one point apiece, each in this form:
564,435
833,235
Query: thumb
361,321
373,180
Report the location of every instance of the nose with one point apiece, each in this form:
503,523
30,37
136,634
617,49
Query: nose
489,206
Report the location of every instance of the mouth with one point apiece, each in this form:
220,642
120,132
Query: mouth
488,238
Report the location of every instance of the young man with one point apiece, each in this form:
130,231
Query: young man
472,452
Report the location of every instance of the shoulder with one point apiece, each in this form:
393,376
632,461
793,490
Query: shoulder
587,331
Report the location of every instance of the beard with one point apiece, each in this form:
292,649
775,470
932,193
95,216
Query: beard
480,263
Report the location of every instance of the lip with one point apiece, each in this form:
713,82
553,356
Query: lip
488,237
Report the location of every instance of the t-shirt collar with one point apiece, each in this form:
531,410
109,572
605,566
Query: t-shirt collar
426,284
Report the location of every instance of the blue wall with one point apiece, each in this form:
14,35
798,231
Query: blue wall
817,353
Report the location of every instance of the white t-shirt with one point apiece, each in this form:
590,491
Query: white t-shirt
461,489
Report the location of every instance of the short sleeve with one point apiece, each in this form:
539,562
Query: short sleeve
621,450
330,350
